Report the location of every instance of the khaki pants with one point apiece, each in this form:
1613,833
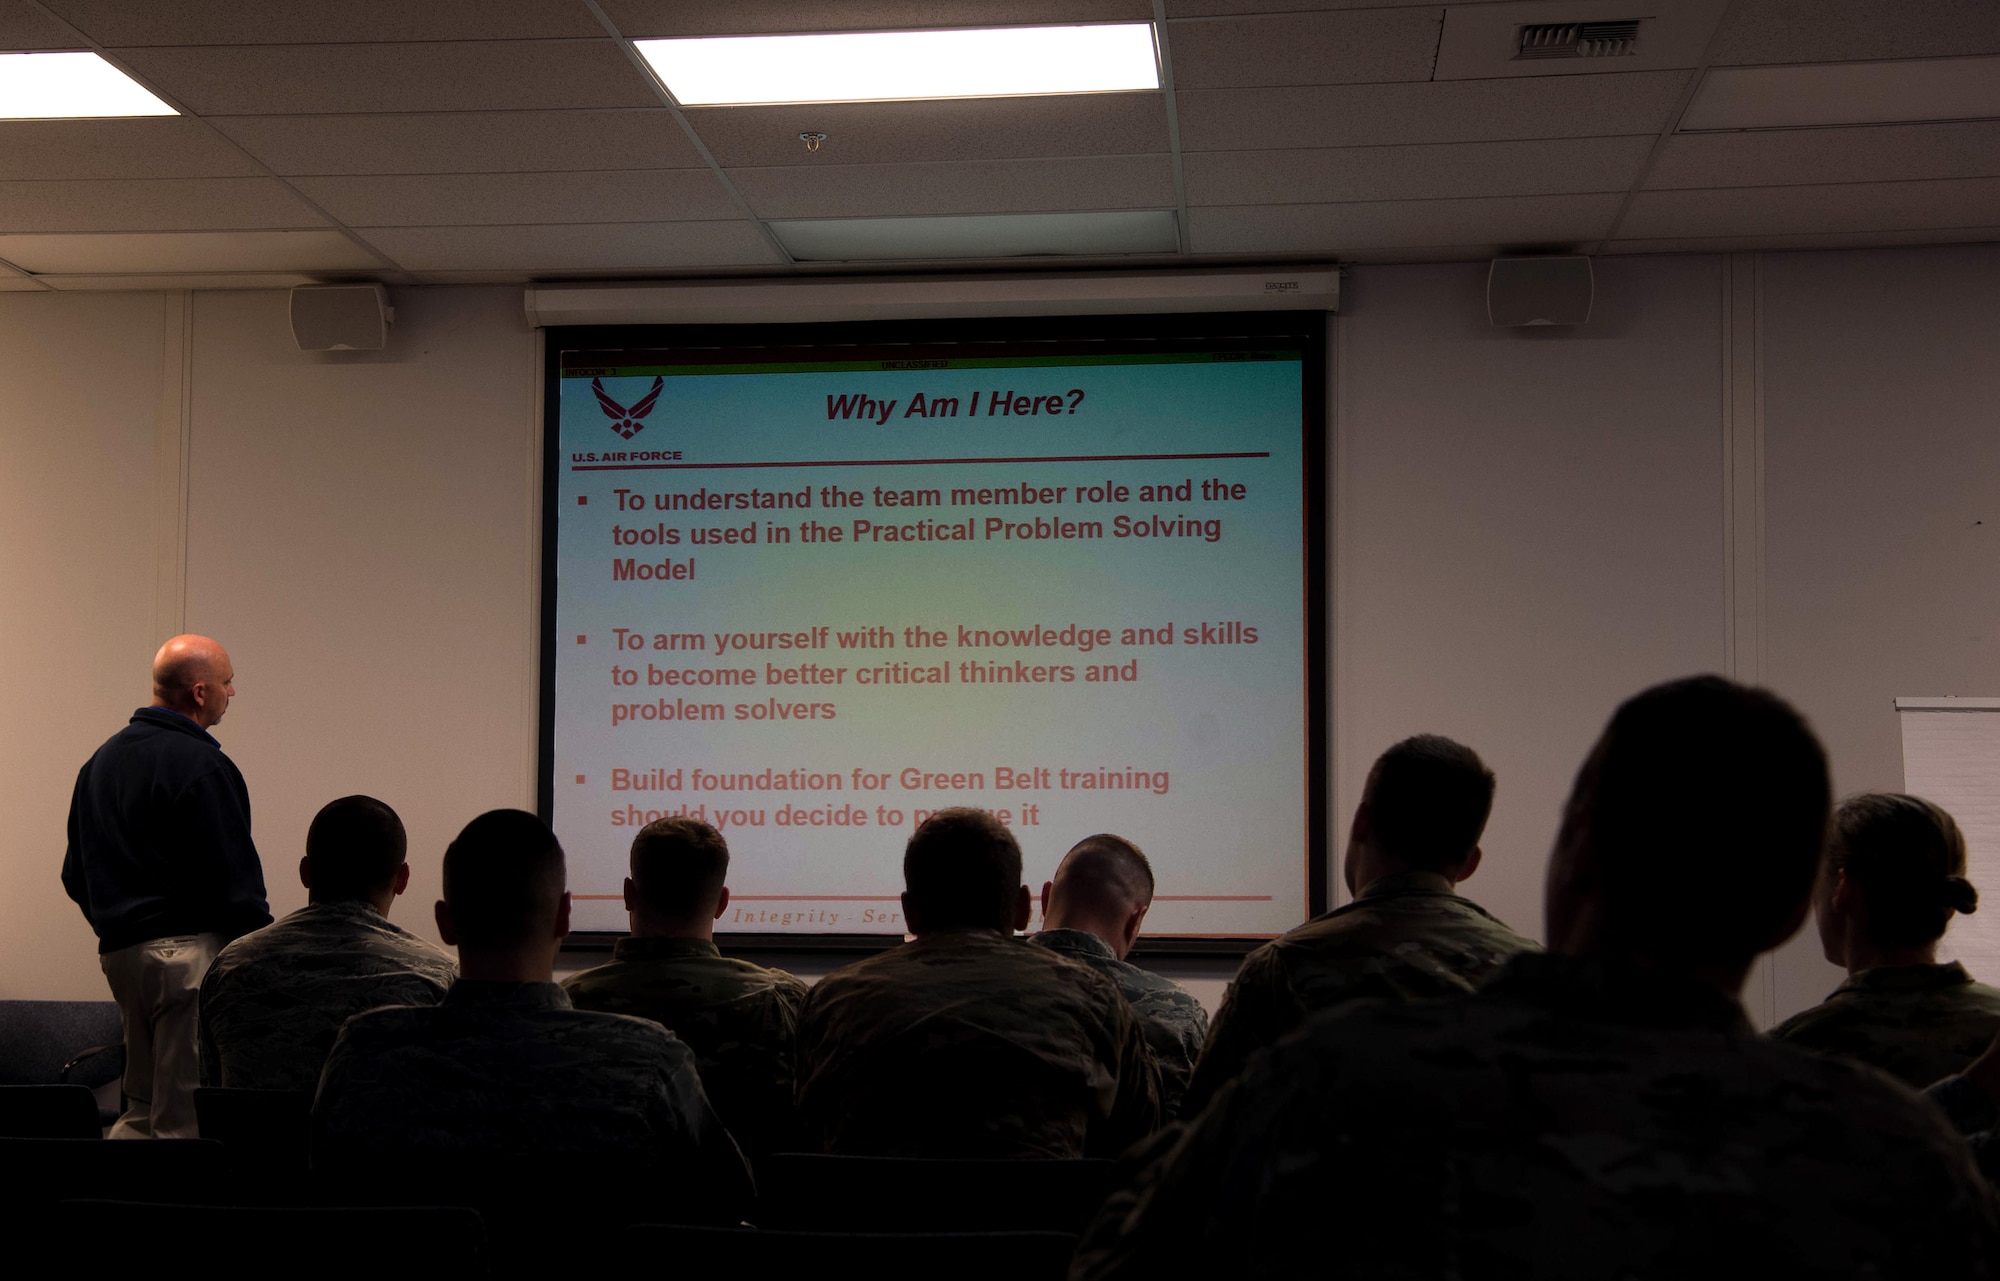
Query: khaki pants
156,985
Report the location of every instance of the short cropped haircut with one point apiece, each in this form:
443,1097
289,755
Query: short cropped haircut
354,848
962,869
503,879
679,865
1906,859
1429,799
1103,874
1704,806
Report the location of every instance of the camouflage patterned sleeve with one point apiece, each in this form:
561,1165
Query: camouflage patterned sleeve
1135,1113
1259,1007
1148,1228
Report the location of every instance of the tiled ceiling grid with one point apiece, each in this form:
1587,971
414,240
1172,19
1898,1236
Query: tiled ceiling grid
506,140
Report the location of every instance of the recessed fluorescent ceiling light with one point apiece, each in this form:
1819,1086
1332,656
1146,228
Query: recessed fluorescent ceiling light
1846,93
66,86
1118,231
874,66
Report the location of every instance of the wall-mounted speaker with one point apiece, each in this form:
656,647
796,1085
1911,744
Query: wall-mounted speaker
341,317
1539,291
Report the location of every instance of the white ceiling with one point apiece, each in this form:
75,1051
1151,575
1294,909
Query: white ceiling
510,140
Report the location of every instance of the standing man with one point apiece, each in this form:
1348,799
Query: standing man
1091,913
161,861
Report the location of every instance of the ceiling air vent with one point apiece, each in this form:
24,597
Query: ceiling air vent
1579,39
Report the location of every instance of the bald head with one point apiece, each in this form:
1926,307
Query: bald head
1103,887
193,676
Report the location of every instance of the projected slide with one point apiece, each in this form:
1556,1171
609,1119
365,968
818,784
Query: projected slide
813,593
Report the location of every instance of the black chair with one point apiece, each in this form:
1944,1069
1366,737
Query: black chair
48,1112
272,1127
336,1243
40,1174
64,1043
753,1254
813,1193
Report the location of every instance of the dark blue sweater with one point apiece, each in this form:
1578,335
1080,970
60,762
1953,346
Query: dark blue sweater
159,837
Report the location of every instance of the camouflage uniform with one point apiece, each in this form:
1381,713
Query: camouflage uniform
1917,1022
1571,1120
1406,937
273,1001
741,1021
972,1043
1173,1021
508,1073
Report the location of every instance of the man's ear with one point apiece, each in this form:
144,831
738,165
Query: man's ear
721,902
1471,865
305,872
910,920
1129,934
446,930
562,915
1842,896
1024,908
402,878
1363,824
628,895
1048,889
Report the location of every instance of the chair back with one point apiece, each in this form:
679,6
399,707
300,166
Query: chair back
39,1038
749,1252
815,1193
319,1243
273,1126
48,1112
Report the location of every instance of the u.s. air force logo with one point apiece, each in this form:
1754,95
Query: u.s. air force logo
628,422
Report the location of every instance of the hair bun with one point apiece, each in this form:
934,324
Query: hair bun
1959,895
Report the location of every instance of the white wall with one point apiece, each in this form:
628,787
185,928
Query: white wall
1764,465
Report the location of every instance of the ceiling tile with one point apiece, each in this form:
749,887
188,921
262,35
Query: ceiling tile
494,75
153,204
1454,111
630,195
189,251
1762,31
1362,47
1887,153
24,28
466,142
155,147
1800,210
986,186
1817,240
1341,228
12,284
983,237
609,246
1415,173
641,18
149,22
1093,124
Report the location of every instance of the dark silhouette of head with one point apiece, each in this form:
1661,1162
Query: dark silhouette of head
503,887
1103,886
1693,834
1894,876
355,852
962,871
679,866
1423,809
